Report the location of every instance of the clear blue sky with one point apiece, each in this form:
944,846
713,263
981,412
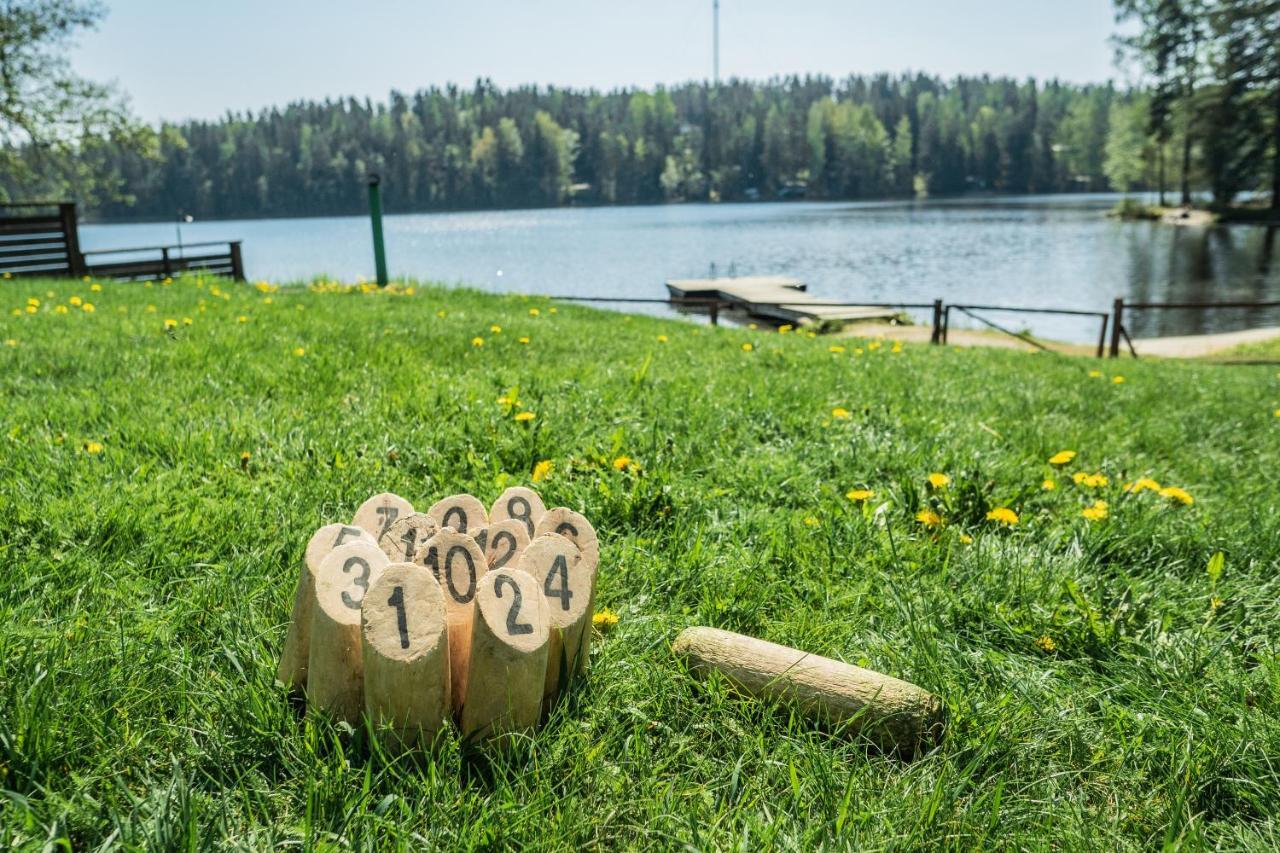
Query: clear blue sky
189,58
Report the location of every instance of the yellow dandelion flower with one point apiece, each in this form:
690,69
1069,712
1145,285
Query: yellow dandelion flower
604,619
1003,515
928,518
1278,413
1090,481
1062,457
33,302
87,308
1095,374
1048,485
17,312
187,321
477,342
1142,484
534,312
442,313
841,413
752,326
95,287
31,309
966,539
1046,644
523,340
1180,495
525,417
76,301
1117,379
859,495
245,456
170,324
811,334
784,328
167,281
747,347
495,329
60,309
299,351
939,481
1097,512
542,470
242,319
662,339
621,462
897,346
810,521
873,346
93,447
551,310
10,342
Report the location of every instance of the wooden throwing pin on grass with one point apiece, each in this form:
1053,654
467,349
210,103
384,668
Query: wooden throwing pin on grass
380,512
506,541
575,527
335,670
508,656
406,535
297,642
406,654
458,564
463,513
894,715
521,504
556,564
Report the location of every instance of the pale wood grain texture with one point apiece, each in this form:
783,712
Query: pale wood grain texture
505,542
405,652
519,503
335,671
567,584
458,564
461,512
406,535
508,656
292,671
892,714
575,527
380,512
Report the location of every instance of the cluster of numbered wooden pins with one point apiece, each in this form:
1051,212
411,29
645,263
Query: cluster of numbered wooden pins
416,618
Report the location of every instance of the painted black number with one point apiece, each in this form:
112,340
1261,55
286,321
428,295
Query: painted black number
461,526
410,540
567,529
509,538
461,598
522,514
397,601
559,567
362,581
514,628
482,537
389,515
346,533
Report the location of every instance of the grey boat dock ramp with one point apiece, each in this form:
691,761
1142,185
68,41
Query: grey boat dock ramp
777,299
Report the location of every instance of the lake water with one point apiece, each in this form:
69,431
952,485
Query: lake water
1037,251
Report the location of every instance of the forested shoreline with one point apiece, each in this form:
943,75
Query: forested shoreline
482,147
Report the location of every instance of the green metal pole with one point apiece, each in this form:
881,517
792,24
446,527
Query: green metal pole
375,216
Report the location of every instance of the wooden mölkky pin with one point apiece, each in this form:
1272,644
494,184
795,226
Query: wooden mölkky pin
406,535
505,543
461,512
458,564
523,505
893,714
406,654
335,673
380,512
508,656
575,527
297,642
556,564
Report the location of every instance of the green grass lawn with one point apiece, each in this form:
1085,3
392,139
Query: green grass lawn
1105,689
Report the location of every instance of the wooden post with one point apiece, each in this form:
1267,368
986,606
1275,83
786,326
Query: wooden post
165,264
519,503
892,714
405,650
71,235
297,642
237,262
506,541
574,527
458,564
335,669
406,536
936,337
378,513
714,310
1117,323
568,586
1102,338
508,656
946,324
460,512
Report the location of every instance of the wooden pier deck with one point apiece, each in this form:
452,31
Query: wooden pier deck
779,299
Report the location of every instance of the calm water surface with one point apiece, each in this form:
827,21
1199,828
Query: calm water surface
1043,251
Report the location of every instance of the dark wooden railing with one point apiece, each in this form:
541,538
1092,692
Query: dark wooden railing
165,261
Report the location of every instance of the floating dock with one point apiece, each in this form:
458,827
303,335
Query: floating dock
778,299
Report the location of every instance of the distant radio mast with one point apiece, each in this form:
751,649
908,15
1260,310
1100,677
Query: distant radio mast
715,41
